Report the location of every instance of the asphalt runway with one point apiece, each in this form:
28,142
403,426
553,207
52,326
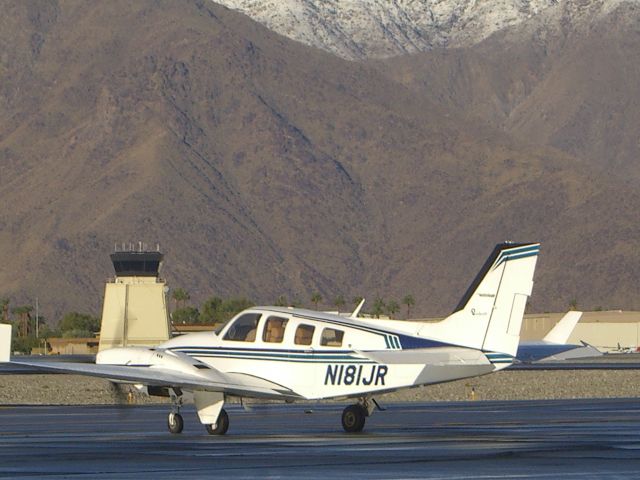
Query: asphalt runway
582,439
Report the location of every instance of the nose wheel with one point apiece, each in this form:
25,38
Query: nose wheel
175,423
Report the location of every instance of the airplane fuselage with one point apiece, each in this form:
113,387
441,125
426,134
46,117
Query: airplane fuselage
318,355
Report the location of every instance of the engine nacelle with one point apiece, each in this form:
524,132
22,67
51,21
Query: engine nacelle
151,357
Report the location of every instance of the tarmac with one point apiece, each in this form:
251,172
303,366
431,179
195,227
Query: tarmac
544,439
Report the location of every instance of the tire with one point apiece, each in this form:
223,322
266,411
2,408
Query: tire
221,426
353,418
175,423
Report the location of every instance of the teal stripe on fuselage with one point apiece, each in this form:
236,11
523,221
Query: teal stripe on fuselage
499,357
311,357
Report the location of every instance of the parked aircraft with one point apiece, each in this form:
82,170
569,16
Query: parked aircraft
294,354
553,344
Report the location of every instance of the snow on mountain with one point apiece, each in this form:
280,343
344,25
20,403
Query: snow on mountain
357,29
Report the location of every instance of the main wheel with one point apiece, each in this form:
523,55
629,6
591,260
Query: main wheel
221,426
353,418
175,422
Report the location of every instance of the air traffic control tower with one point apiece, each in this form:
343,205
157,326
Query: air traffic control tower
135,306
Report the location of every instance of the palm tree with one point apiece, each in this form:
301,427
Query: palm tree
392,307
409,301
378,307
180,296
573,304
315,299
4,309
339,302
24,317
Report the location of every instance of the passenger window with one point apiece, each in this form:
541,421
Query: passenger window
244,328
331,337
274,330
304,334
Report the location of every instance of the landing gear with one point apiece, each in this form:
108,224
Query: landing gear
353,418
175,422
221,426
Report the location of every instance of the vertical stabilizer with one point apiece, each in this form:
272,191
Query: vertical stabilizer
514,267
562,331
489,315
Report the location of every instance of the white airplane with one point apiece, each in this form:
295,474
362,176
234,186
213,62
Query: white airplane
295,354
553,344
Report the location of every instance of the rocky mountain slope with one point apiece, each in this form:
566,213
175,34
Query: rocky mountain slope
365,29
554,83
264,167
561,73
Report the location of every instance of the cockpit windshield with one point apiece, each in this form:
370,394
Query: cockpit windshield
243,329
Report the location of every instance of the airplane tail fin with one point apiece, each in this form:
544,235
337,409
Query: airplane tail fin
562,331
5,342
489,315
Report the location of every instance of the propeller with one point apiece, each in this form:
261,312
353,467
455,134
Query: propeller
122,395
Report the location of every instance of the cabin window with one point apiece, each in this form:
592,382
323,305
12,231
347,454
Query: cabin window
274,329
244,328
304,334
331,337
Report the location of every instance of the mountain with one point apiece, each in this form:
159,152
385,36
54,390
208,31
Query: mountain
567,81
265,167
366,29
561,73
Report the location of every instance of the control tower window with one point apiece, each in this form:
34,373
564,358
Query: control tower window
244,328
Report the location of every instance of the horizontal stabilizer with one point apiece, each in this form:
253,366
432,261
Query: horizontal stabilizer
428,356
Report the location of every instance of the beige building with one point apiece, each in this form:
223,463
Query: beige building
71,346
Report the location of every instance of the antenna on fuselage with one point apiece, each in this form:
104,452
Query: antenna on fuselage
357,310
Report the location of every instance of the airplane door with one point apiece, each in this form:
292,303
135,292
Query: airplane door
303,357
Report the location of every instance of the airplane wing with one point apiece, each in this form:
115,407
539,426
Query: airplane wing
537,351
584,351
553,345
208,379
